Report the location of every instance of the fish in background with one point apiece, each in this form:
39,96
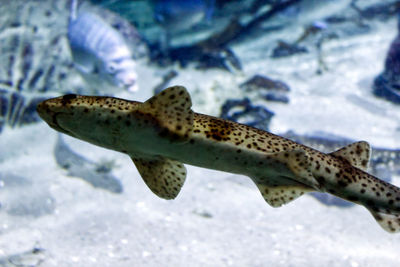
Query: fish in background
176,16
34,65
99,51
179,15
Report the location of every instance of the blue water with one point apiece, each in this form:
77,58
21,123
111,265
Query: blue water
64,202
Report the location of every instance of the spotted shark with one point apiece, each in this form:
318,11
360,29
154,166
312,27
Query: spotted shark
163,133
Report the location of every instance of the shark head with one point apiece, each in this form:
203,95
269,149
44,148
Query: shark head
49,109
90,118
109,122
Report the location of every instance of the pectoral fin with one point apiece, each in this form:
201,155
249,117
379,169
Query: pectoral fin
277,196
165,177
357,154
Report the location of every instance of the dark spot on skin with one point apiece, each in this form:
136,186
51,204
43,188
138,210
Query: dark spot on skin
342,184
86,110
67,98
321,180
216,137
364,163
127,123
352,198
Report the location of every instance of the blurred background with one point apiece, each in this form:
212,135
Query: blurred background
324,73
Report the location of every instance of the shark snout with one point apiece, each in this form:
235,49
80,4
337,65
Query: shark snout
49,109
44,111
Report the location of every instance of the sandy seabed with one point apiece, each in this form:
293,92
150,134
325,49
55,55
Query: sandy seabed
219,219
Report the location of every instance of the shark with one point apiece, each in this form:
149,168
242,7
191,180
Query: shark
163,133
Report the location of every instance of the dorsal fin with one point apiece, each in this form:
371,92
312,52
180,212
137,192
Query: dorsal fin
172,109
357,154
165,177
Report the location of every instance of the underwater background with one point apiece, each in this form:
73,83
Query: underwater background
323,73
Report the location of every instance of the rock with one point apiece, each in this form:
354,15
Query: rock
275,89
387,84
285,49
255,116
96,174
260,82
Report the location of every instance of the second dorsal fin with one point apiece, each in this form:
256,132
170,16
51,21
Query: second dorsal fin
357,154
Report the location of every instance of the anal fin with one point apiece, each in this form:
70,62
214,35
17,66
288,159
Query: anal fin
277,196
389,222
164,177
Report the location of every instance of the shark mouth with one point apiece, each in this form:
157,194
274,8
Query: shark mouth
55,125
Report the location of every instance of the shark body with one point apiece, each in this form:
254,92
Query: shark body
163,133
